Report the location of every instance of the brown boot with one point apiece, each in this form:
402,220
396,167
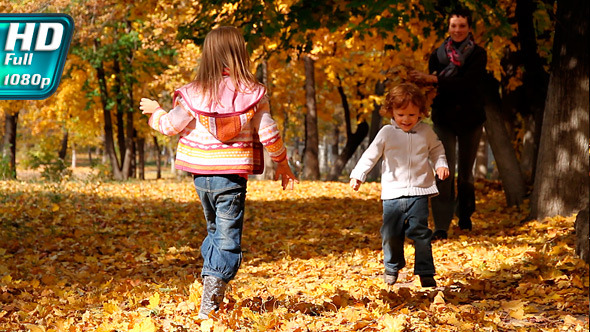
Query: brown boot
213,292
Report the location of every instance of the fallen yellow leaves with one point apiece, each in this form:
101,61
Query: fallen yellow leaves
108,257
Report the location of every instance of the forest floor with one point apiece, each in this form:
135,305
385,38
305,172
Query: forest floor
92,255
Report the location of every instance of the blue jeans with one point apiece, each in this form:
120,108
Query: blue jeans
222,198
443,205
406,216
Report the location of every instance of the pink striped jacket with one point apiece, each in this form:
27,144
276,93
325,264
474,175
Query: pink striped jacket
221,138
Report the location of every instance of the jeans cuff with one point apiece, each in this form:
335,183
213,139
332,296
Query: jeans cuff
224,277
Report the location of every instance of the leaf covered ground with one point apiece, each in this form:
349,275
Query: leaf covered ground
92,256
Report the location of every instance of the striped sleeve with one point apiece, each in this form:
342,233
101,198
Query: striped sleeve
269,133
170,123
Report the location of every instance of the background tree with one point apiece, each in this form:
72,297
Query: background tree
562,181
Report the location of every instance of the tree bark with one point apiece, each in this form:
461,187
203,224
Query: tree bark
120,111
582,238
64,146
353,140
481,159
311,168
376,118
269,166
141,155
9,145
535,81
129,150
508,166
109,144
75,157
158,158
561,180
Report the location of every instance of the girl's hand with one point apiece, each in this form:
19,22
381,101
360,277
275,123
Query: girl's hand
288,179
355,184
442,173
148,106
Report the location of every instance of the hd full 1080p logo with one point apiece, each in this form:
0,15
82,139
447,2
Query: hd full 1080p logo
33,50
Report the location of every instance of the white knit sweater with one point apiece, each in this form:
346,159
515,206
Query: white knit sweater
408,160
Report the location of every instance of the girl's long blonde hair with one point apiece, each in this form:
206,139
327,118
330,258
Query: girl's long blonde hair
224,50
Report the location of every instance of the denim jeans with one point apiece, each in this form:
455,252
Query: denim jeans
406,216
443,205
222,198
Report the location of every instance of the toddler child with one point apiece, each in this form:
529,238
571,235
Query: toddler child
409,149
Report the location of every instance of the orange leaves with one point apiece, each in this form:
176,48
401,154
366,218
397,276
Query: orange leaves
125,257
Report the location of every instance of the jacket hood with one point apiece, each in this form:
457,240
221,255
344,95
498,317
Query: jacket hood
224,119
231,100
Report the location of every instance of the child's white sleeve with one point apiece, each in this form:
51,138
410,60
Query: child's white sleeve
370,157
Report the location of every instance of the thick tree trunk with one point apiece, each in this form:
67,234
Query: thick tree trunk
561,180
530,150
504,154
311,165
353,140
109,144
535,81
9,145
582,237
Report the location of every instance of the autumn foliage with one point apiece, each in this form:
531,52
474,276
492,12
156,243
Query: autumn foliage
92,256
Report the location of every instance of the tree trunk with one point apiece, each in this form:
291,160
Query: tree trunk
481,159
9,145
530,150
311,167
534,80
117,87
334,143
74,157
376,119
508,167
561,180
109,144
64,146
158,158
352,140
582,237
129,150
270,167
141,154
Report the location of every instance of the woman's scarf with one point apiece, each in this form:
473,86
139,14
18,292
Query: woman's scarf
454,57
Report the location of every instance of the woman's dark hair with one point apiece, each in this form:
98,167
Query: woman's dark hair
460,12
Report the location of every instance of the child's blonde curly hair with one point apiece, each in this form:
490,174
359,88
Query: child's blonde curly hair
400,96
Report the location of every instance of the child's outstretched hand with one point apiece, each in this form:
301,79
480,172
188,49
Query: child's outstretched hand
148,106
355,184
442,173
288,179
